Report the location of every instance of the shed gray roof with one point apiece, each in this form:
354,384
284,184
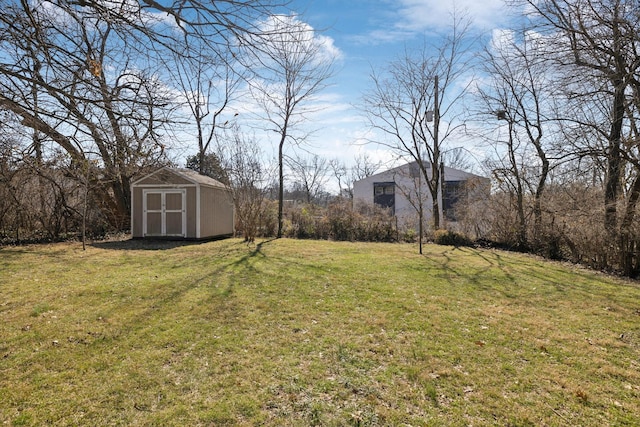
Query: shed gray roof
189,175
197,178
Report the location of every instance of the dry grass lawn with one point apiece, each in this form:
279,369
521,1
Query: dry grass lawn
298,333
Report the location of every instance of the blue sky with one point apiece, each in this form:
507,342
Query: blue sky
369,34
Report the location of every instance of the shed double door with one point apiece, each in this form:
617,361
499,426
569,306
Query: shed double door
164,213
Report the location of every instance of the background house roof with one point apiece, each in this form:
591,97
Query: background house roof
405,170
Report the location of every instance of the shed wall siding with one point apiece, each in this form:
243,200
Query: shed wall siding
216,216
136,210
191,212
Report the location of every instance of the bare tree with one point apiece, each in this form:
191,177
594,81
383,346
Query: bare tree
519,92
293,66
86,77
311,174
509,174
457,158
415,194
85,95
209,84
410,102
599,39
364,166
339,171
176,25
242,158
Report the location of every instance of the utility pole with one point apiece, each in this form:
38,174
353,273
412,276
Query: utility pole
437,166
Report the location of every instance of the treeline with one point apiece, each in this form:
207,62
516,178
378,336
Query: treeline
565,96
38,204
570,229
556,102
55,200
52,204
93,95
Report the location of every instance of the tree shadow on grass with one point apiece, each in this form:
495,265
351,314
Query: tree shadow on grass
257,251
218,282
516,278
10,253
150,244
491,274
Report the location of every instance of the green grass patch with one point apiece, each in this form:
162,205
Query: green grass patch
292,332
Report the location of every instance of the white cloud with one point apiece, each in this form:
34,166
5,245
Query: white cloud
501,39
376,37
410,17
288,30
132,11
329,47
425,15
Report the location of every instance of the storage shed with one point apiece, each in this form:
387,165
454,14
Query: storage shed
180,204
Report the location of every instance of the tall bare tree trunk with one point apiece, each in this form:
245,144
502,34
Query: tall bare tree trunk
435,166
614,160
281,185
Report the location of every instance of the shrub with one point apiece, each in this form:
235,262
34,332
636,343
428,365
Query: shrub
340,221
268,219
410,235
450,238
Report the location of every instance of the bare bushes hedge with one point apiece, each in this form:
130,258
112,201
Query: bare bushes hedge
44,205
341,221
451,238
571,228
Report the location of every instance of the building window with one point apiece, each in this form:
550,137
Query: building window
453,192
384,195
